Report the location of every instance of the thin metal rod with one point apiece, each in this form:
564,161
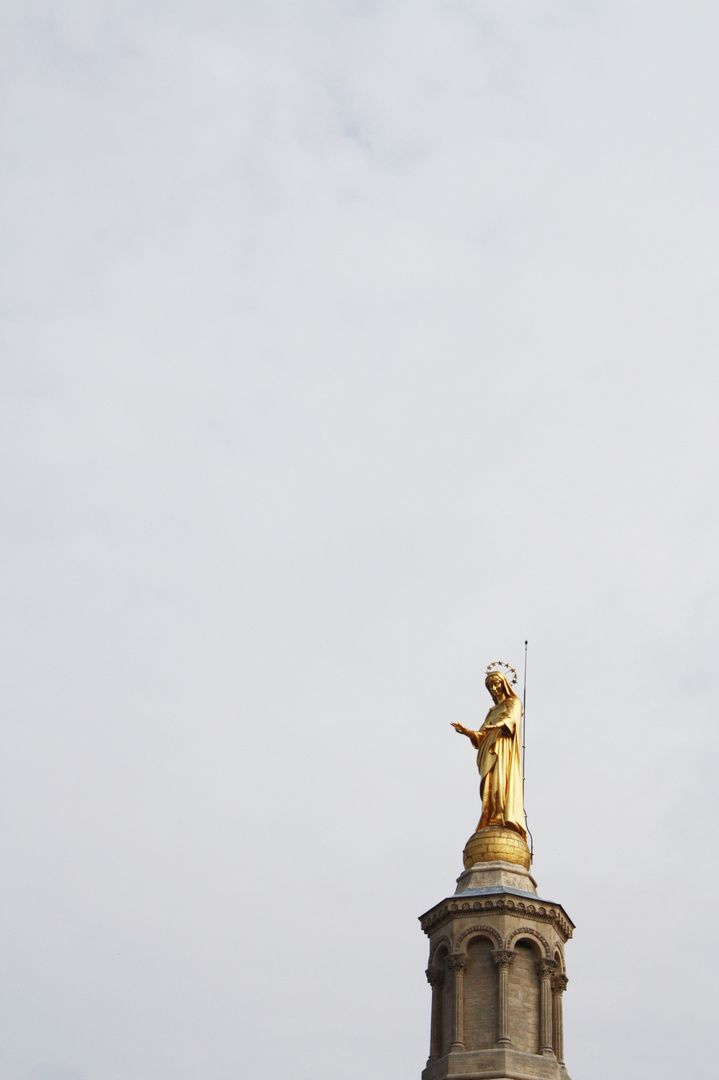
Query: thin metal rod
524,716
524,751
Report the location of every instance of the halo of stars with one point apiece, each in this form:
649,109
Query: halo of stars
498,665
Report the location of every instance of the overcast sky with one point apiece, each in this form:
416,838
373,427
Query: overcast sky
347,345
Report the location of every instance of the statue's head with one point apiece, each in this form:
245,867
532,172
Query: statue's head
498,686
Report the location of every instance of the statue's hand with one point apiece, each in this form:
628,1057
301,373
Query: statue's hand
460,728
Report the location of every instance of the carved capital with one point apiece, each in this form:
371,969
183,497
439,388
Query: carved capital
457,962
559,984
435,977
545,968
504,958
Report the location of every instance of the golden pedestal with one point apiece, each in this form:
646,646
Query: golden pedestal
496,844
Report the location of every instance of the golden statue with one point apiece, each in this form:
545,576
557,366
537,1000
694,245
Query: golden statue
499,755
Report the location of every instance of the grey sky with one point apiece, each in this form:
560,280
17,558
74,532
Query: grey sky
345,346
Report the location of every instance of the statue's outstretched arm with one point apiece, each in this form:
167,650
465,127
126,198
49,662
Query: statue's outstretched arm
473,736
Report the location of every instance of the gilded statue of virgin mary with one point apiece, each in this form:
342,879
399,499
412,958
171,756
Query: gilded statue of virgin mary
499,757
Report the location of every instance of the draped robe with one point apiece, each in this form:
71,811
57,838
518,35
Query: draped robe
499,760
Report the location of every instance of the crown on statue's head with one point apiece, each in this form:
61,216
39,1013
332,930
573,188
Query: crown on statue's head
503,669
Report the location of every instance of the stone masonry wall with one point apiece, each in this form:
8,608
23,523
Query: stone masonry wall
524,1001
447,1010
480,996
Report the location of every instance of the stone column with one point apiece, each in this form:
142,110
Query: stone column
435,978
456,963
559,985
545,970
503,958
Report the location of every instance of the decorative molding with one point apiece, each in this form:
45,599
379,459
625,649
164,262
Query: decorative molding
545,968
435,977
479,929
457,962
504,958
527,931
501,906
559,983
444,940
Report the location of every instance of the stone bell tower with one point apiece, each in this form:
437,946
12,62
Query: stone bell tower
496,949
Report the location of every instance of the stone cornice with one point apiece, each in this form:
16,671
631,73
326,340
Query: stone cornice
500,902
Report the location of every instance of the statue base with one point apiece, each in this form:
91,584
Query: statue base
496,875
496,844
